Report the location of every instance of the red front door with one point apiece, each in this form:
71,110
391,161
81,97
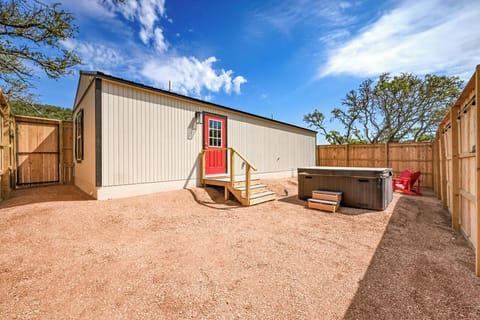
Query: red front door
215,137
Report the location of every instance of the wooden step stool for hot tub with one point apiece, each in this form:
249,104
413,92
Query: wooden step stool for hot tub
325,200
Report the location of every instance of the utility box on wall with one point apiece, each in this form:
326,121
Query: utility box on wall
366,188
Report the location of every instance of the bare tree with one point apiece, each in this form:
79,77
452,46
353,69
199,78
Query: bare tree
392,109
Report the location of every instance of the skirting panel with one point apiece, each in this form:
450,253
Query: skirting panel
115,192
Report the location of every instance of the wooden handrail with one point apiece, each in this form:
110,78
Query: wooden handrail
241,156
248,167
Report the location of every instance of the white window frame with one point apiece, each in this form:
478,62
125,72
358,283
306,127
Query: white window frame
215,133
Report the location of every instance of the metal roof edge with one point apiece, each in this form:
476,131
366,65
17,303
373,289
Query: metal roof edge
173,94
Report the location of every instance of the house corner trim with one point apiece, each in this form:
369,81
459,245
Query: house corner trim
98,132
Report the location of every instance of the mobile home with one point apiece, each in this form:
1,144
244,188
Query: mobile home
132,139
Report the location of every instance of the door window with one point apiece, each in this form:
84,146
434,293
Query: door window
214,133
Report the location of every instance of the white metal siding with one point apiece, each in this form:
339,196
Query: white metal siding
85,170
144,137
148,137
271,147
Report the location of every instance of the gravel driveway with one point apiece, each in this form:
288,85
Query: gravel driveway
188,254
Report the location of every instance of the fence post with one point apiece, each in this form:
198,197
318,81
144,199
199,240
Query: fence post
346,155
438,181
443,168
455,169
477,159
386,154
61,151
435,165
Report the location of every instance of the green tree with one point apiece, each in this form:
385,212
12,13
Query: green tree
30,38
392,109
23,108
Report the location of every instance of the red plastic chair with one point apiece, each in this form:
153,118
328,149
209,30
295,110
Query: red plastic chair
406,182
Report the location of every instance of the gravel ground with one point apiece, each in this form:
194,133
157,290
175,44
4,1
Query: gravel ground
188,254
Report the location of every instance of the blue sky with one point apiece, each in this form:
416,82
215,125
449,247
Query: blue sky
280,58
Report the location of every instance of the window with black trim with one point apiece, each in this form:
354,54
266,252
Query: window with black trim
79,135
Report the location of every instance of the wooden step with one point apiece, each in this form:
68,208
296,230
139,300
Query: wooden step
325,205
258,192
256,188
241,183
327,195
261,197
217,176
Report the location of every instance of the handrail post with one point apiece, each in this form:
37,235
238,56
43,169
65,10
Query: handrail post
203,167
232,167
247,183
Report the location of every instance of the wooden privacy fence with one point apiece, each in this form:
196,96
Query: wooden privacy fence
457,163
416,156
7,156
44,151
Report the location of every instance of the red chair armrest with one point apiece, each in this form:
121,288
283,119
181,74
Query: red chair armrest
401,180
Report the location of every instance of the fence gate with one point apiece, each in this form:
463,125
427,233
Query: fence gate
44,151
38,147
37,151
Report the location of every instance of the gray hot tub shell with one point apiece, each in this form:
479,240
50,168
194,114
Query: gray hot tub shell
367,188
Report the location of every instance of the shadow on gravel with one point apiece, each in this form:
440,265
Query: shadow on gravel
343,210
421,269
293,200
215,199
25,196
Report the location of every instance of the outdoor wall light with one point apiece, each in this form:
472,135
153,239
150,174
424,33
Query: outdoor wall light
199,117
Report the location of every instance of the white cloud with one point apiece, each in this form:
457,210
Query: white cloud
148,13
90,8
189,75
286,15
334,36
129,9
150,56
95,56
237,82
417,36
160,43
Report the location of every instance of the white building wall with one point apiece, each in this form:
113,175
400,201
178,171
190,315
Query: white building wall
272,148
145,137
84,170
151,142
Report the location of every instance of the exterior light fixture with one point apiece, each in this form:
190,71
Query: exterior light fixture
199,117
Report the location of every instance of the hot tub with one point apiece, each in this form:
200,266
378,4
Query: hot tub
367,188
